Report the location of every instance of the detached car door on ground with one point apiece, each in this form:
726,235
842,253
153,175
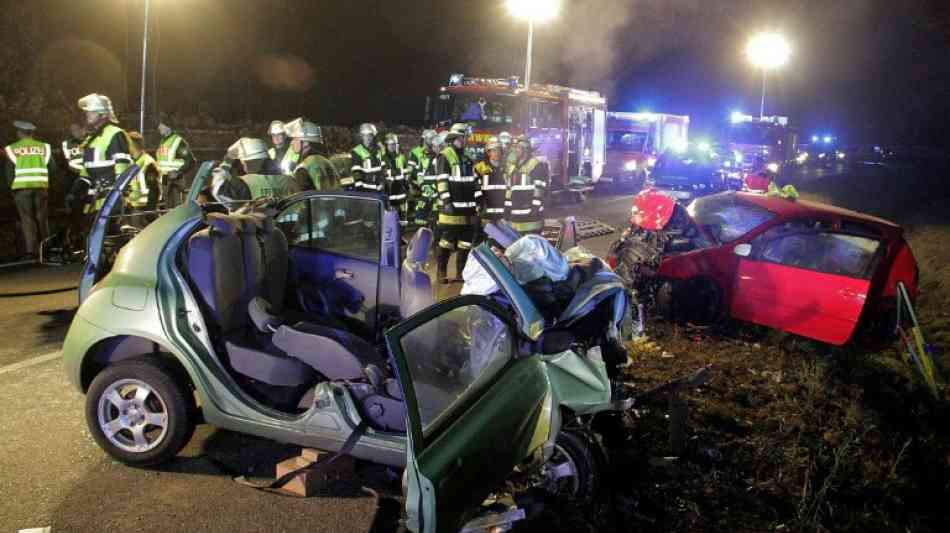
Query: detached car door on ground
803,277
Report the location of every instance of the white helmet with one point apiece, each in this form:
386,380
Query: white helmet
277,127
504,138
427,136
305,131
248,149
492,144
457,130
367,129
97,103
439,140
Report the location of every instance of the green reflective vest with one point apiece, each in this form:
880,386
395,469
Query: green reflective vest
288,162
167,154
261,185
100,145
321,171
72,152
30,157
138,194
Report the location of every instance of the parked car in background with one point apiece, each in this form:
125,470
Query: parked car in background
807,268
688,174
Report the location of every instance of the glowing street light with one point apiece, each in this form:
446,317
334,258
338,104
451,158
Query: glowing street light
767,51
533,11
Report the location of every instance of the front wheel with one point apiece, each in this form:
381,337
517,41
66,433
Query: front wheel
571,473
140,412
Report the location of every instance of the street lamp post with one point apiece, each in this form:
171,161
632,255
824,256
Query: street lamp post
144,70
533,11
767,51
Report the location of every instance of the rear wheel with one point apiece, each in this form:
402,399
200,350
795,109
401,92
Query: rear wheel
140,412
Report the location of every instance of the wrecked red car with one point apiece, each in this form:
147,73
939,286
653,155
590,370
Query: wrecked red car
802,267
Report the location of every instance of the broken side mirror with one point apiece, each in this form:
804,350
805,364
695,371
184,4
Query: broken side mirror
743,250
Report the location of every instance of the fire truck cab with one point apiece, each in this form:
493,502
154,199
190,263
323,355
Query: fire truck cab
759,143
566,126
634,140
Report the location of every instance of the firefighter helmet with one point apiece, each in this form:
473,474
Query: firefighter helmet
439,140
493,144
427,136
303,130
97,103
457,130
368,129
248,149
277,127
504,138
391,138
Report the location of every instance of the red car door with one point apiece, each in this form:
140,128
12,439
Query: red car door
810,283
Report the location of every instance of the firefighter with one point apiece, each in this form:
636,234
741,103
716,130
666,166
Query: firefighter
28,169
504,139
313,171
427,203
106,154
231,192
367,167
281,152
493,183
528,187
396,171
174,160
253,156
457,188
146,187
416,161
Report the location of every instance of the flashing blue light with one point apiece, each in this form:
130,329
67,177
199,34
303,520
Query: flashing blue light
736,117
828,139
456,79
814,138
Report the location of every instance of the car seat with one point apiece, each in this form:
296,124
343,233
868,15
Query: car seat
415,290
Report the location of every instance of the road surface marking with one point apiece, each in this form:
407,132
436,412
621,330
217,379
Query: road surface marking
38,360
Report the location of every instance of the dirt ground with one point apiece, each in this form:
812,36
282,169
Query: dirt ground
789,434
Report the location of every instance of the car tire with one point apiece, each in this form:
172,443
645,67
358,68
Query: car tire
573,451
140,411
705,301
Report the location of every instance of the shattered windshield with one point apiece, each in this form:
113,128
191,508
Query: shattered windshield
726,217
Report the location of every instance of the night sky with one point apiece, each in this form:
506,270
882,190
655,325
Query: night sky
871,70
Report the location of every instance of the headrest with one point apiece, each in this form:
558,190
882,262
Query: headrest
418,249
222,224
249,224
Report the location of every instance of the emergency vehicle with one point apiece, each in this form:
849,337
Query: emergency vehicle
568,127
635,140
759,143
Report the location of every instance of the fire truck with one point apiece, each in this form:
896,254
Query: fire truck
634,140
566,126
759,143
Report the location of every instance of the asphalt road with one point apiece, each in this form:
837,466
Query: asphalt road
52,474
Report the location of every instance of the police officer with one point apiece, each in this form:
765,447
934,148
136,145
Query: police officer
282,152
146,187
396,171
28,168
174,160
313,171
367,167
106,154
458,194
528,187
72,152
253,156
77,201
493,183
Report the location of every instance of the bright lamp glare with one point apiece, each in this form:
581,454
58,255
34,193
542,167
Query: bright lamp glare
536,10
768,50
736,117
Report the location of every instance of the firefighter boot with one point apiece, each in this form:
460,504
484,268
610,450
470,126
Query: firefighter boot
443,262
460,257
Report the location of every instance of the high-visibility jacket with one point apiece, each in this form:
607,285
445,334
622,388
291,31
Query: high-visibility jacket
494,186
72,153
106,155
286,158
397,180
167,154
528,187
457,187
316,173
31,159
278,185
366,171
141,186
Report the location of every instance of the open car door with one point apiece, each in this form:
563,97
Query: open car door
476,407
97,266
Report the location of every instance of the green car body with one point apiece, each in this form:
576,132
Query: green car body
143,308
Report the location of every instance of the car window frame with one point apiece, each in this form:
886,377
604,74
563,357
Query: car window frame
866,275
309,198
